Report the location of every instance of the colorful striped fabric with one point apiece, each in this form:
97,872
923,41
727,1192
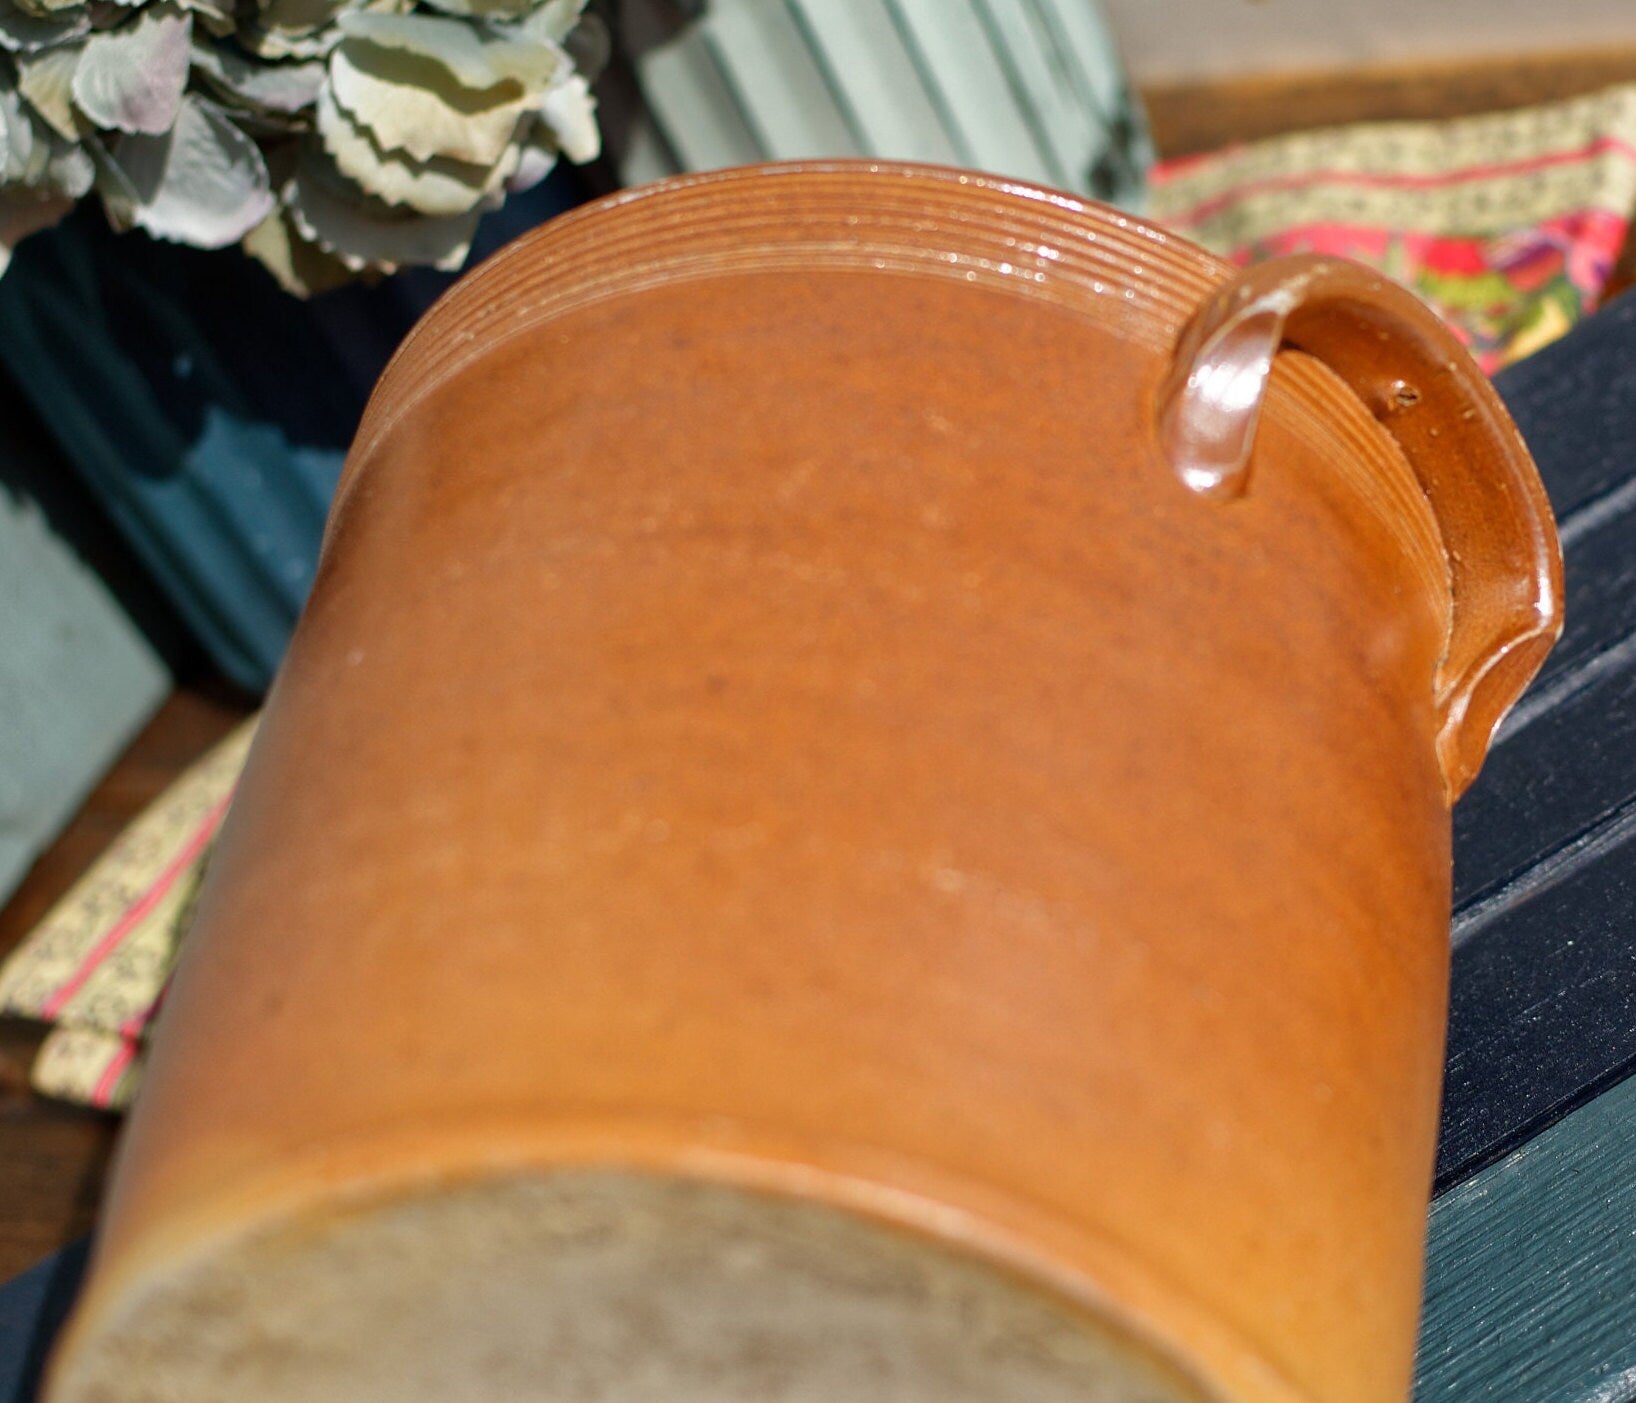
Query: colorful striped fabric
96,966
1508,224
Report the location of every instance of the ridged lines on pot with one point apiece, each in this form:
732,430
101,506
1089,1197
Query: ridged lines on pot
1083,258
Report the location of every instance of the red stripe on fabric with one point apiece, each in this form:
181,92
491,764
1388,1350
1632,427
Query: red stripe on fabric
137,1023
137,910
1587,229
1386,180
103,1092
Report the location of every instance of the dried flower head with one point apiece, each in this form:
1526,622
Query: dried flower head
329,137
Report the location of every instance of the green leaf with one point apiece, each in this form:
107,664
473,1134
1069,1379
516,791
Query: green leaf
131,79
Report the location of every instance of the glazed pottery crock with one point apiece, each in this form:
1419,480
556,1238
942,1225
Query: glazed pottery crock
860,810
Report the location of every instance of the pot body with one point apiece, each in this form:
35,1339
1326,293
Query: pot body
770,714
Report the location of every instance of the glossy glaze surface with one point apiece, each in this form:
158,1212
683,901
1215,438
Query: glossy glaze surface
769,712
1469,460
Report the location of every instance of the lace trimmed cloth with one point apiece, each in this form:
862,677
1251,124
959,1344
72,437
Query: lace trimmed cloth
96,966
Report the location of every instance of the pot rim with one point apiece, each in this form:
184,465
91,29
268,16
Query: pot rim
808,216
1140,282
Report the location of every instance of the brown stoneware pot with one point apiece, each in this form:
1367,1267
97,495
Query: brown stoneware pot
860,811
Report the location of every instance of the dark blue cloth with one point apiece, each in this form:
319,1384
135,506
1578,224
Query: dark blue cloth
32,1309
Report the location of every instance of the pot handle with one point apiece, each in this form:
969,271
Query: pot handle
1415,377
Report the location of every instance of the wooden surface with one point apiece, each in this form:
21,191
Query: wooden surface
1191,117
1543,1011
1528,1290
53,1157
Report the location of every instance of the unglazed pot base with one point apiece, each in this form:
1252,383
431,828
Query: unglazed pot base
591,1286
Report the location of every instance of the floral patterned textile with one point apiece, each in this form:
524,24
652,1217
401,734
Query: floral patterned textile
1508,224
96,967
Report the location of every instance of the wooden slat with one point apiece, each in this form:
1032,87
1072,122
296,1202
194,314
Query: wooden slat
1571,770
1194,116
1530,1270
1575,402
1543,1008
1565,762
694,107
1542,1012
1600,601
